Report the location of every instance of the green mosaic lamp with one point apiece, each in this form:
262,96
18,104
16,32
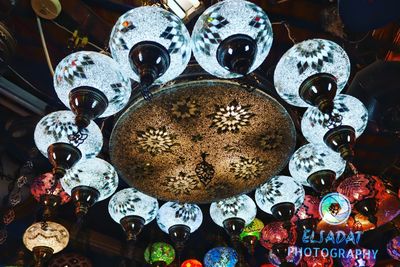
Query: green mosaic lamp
159,254
251,234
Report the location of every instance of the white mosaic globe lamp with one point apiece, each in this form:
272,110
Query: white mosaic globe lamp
88,182
232,38
179,220
280,196
91,85
151,45
233,214
312,73
317,166
133,210
339,129
60,140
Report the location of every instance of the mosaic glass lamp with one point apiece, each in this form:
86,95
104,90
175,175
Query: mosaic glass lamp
88,182
280,196
278,235
393,248
151,44
307,216
317,166
289,257
232,38
159,254
179,220
338,129
358,260
45,239
191,263
58,138
91,85
364,193
233,214
49,193
311,73
221,257
251,234
133,210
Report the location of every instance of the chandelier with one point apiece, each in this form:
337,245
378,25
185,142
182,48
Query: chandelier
205,140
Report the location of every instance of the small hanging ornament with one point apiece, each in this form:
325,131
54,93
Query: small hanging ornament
204,170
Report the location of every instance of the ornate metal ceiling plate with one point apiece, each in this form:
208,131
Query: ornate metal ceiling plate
202,141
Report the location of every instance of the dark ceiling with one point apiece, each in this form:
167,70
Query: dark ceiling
26,94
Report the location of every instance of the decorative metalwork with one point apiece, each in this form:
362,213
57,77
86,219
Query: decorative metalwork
158,152
248,168
204,170
155,141
185,109
230,118
271,140
183,183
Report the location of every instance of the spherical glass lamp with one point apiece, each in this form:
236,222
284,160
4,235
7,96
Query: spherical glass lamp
393,248
233,214
359,222
289,257
88,182
132,209
278,235
251,234
91,85
179,220
280,196
362,259
59,138
151,44
48,192
311,73
159,254
191,263
232,38
364,193
221,257
45,239
317,166
340,128
308,216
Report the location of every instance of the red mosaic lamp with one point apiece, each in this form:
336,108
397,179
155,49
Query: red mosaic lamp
359,222
277,237
192,263
49,193
308,216
364,193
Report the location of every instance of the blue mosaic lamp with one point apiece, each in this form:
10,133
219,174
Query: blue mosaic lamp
221,257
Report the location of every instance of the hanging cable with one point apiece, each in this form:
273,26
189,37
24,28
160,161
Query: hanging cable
46,52
289,32
69,31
